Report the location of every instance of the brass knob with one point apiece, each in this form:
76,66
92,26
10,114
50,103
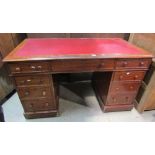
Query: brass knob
33,67
135,77
127,73
47,104
117,88
127,98
125,63
114,99
28,80
31,105
22,82
39,67
131,87
142,63
101,65
44,93
121,77
18,69
27,93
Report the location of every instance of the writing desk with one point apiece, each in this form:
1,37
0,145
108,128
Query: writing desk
118,69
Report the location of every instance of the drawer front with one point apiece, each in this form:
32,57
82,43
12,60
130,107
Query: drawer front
38,105
81,65
32,80
128,75
133,63
34,92
28,67
119,99
117,87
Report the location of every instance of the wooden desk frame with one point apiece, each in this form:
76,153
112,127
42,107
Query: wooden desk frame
116,80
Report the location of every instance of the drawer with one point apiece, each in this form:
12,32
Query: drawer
38,105
133,63
120,98
117,87
82,65
128,75
32,80
28,67
34,92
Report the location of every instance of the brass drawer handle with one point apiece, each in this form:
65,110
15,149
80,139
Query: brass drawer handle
28,80
131,87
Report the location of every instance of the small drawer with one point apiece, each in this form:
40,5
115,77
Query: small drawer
117,87
82,65
133,63
32,80
38,105
128,75
28,67
120,98
34,92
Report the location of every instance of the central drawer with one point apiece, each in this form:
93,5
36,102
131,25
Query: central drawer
34,92
82,65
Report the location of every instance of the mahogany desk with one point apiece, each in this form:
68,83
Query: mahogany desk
118,69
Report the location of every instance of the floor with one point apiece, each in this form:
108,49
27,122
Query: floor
80,106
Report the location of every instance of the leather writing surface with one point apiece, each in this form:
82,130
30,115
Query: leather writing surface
36,47
74,48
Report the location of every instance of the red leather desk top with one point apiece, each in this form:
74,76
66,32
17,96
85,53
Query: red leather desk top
32,49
